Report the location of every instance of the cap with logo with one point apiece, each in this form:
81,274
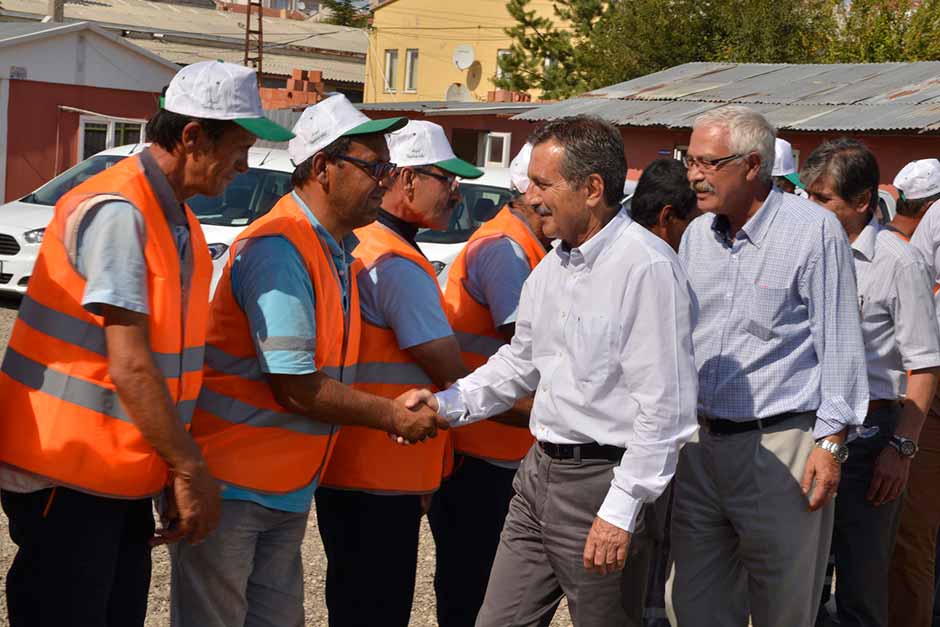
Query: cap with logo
519,169
214,90
919,179
425,143
784,165
323,123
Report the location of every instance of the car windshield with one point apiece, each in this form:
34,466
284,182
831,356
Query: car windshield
250,195
478,203
50,193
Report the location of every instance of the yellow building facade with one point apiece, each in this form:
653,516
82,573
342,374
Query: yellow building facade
438,49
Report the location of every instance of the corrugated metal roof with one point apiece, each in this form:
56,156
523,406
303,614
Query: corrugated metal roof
12,30
213,34
448,107
333,68
811,97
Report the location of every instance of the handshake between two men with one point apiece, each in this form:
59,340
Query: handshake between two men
420,419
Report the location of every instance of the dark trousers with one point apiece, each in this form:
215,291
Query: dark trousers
371,544
466,518
863,534
83,560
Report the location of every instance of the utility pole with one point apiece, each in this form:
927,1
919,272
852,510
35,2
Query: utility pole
254,38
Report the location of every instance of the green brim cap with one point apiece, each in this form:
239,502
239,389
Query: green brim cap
263,128
387,125
794,178
461,168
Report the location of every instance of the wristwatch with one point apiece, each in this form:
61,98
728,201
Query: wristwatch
840,452
906,447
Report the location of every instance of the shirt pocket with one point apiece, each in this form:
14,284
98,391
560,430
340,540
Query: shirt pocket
765,309
591,347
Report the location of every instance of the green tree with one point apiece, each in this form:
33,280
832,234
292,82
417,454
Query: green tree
872,31
345,13
922,39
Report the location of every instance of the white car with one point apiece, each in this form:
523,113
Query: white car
481,199
250,195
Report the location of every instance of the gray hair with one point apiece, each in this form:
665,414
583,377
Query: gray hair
748,132
592,146
849,165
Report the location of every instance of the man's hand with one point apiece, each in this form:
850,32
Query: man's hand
822,468
193,506
890,476
416,423
605,550
414,398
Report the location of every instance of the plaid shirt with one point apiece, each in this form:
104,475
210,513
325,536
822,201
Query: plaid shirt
779,327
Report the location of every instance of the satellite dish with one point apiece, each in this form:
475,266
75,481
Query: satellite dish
301,6
463,56
458,93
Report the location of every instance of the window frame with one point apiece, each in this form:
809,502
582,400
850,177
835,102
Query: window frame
389,81
412,59
111,124
507,142
502,52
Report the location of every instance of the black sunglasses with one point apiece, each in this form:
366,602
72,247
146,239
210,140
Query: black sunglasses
378,170
449,180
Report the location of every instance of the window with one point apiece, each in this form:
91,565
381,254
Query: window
391,70
411,70
97,134
679,152
502,52
496,153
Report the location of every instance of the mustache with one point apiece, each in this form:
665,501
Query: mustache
702,187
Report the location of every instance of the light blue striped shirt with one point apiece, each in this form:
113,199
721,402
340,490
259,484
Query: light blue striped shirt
779,328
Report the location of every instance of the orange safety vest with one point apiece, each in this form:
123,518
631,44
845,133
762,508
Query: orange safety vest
366,459
64,420
479,339
247,437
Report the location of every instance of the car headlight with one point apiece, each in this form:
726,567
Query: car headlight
438,266
34,236
217,250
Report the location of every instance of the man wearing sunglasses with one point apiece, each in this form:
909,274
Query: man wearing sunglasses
282,343
374,490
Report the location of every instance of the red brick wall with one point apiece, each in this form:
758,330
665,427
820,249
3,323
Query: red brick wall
34,123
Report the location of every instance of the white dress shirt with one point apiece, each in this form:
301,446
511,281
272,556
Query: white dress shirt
895,298
604,339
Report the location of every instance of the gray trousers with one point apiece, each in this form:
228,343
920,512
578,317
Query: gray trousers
539,559
743,539
863,537
247,573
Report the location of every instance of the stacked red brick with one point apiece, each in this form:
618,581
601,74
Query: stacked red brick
304,87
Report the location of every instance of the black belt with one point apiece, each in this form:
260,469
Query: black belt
721,426
578,452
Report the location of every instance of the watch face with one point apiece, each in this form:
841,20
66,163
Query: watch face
841,453
908,448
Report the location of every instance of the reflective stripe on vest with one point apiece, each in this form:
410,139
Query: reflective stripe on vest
366,459
248,438
479,339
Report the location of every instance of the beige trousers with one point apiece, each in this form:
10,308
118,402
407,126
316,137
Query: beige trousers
743,540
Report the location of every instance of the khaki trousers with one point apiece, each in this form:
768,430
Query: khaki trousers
743,540
911,579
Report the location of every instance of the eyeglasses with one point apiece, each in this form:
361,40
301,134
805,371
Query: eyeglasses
378,170
450,180
709,165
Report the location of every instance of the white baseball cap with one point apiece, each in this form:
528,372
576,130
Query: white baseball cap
784,165
323,123
214,90
425,143
519,169
919,179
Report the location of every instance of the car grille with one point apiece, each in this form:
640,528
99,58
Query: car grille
5,278
8,245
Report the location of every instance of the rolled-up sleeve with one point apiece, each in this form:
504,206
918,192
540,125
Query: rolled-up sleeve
657,358
916,333
829,289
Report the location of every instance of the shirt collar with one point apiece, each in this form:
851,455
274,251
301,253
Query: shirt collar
588,252
162,189
340,252
756,228
864,244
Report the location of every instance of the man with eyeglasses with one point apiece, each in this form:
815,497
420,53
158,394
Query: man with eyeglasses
282,346
782,382
375,490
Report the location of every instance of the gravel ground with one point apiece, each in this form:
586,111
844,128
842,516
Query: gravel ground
423,614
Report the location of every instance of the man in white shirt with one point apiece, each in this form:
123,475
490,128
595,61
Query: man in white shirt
896,304
603,339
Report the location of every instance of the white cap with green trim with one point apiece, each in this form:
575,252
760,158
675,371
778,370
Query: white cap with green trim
215,90
425,143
